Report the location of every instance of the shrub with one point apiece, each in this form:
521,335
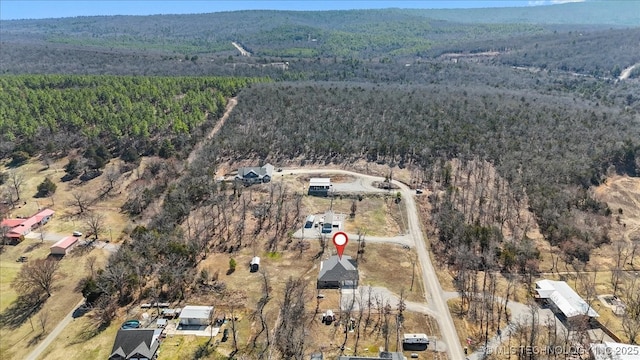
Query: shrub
46,188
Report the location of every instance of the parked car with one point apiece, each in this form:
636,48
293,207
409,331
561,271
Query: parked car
77,233
21,259
130,324
225,335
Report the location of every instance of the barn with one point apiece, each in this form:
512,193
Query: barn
63,246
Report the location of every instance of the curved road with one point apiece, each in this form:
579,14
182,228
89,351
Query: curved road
434,294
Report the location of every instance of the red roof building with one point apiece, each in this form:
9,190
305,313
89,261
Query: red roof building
21,227
63,246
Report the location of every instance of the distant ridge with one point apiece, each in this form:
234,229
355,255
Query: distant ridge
623,13
604,12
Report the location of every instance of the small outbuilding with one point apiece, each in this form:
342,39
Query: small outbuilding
255,264
192,315
63,246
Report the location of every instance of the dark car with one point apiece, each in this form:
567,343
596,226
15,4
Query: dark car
130,324
225,335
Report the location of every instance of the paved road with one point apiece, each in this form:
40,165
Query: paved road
434,294
53,334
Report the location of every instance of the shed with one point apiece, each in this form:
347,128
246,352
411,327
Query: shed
63,246
195,315
255,264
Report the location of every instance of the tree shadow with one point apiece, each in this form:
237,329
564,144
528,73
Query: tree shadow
32,247
90,331
36,339
20,310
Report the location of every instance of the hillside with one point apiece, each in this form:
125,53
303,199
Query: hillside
504,135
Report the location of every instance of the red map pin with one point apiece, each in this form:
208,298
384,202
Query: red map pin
340,240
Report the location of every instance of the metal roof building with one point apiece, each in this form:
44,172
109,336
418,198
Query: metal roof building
564,298
195,315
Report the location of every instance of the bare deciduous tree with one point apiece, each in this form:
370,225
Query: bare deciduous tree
631,317
16,181
110,181
95,223
291,331
81,200
36,276
43,318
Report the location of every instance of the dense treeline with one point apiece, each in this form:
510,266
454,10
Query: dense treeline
54,113
281,33
554,147
570,50
364,33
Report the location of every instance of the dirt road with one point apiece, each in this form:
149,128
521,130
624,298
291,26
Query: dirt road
434,294
626,72
196,149
243,52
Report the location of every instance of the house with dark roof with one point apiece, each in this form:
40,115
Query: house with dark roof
336,273
139,344
255,174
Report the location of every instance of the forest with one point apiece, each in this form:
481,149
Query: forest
53,114
420,126
498,113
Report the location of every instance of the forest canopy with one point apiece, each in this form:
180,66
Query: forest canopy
56,112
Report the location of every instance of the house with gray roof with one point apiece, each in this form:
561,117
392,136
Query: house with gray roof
336,273
255,174
140,344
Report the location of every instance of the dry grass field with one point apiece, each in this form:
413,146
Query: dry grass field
18,341
375,216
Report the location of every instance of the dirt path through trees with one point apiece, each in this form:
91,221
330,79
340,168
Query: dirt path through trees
196,150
